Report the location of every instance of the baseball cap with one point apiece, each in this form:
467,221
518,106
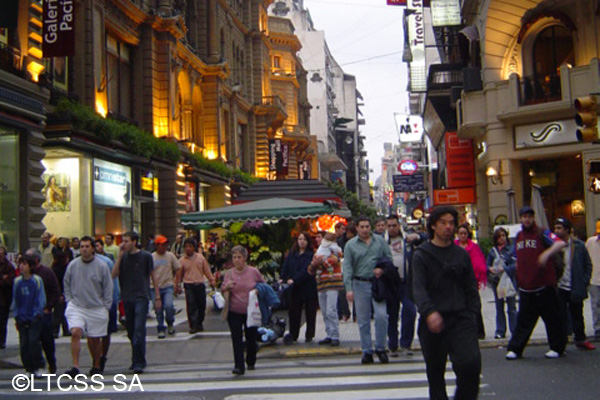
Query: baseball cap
160,239
526,210
564,222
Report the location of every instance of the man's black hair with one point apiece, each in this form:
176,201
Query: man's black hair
394,217
437,213
363,218
133,236
87,239
99,241
191,241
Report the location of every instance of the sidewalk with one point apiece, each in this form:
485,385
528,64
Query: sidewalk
214,345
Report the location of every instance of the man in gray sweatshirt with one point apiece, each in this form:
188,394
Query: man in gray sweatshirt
88,293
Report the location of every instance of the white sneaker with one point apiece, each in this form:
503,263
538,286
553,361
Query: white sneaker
552,354
511,355
38,373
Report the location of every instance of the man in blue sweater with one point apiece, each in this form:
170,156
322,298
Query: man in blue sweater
29,300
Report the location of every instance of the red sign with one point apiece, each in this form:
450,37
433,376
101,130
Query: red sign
58,33
454,196
460,167
396,2
408,167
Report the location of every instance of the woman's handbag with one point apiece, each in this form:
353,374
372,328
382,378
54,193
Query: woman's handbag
225,310
254,317
497,265
505,287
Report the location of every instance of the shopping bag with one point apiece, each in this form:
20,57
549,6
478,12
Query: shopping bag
254,316
505,287
218,300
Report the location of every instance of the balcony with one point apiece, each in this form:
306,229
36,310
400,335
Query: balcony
535,89
272,106
9,60
524,100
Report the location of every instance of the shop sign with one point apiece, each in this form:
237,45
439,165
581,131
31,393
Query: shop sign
416,37
409,183
58,33
460,167
304,170
410,127
545,134
285,159
396,2
445,13
408,167
454,196
112,184
191,202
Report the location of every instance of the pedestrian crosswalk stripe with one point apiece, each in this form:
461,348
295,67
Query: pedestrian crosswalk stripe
367,394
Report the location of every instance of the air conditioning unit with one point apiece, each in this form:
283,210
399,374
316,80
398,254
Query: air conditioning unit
472,79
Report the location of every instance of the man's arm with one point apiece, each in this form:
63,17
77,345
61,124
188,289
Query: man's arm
587,265
53,293
157,302
207,273
67,284
117,268
108,288
471,287
546,254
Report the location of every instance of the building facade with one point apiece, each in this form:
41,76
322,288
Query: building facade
147,110
536,58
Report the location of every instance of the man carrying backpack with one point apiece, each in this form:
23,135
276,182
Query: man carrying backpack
537,279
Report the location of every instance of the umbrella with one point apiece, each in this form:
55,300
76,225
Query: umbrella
538,206
268,209
512,207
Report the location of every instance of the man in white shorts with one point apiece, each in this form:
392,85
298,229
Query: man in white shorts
89,295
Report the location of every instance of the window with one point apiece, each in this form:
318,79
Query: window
552,47
119,75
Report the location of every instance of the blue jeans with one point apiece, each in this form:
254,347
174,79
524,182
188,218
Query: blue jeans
363,299
135,323
511,305
408,318
328,300
30,344
166,298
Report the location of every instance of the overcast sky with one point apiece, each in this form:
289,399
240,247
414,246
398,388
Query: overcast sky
366,39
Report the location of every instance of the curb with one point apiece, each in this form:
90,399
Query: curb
333,351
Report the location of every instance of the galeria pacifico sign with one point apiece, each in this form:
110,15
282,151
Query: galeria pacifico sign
59,28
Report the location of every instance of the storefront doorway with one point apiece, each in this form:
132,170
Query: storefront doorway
562,188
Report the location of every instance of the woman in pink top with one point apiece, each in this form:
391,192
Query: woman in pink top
239,281
479,265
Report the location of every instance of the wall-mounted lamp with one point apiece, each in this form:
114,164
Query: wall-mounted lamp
495,173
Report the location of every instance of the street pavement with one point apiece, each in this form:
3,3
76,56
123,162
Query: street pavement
191,361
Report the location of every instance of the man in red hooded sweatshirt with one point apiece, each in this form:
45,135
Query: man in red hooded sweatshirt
538,294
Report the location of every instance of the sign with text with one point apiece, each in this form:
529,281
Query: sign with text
445,12
454,196
408,167
58,32
410,127
304,170
545,134
112,184
460,167
409,183
416,37
279,156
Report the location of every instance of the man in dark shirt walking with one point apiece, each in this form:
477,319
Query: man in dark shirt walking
445,292
135,268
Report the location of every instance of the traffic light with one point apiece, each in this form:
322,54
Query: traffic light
587,118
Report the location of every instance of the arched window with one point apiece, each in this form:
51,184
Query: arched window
552,47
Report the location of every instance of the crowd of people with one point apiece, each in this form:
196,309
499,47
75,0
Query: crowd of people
354,273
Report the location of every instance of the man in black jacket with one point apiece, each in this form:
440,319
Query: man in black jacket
445,292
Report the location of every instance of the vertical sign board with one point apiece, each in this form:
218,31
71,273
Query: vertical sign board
459,161
58,32
416,35
274,154
304,170
285,159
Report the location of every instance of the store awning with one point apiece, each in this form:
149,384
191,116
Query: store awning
264,210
